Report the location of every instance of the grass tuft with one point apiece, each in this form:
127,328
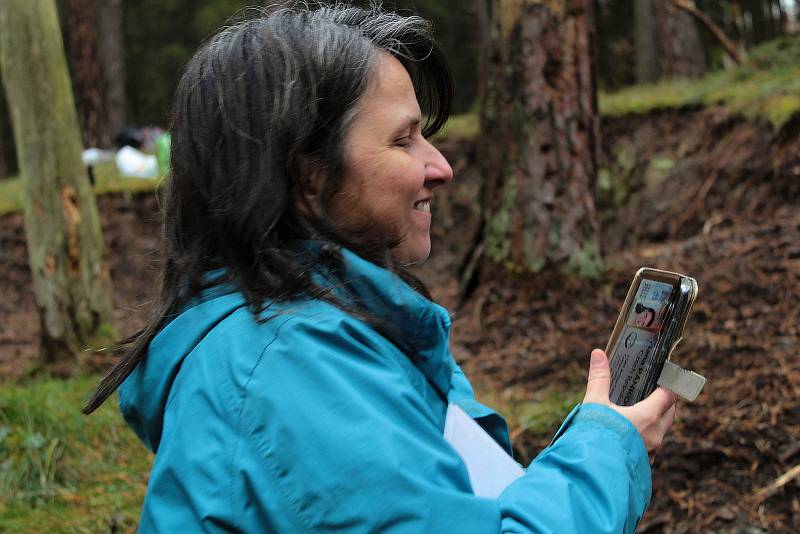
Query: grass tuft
61,471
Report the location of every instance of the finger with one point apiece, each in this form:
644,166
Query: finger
666,420
672,412
662,426
599,378
659,401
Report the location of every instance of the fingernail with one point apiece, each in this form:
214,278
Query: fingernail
598,358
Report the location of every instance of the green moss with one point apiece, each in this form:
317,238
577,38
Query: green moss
658,169
539,414
662,163
767,87
108,180
611,190
464,126
543,416
498,225
781,52
61,471
586,262
10,195
779,108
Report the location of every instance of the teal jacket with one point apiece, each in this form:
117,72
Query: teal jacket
313,422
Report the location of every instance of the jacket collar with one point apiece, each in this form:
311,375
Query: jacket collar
426,327
422,325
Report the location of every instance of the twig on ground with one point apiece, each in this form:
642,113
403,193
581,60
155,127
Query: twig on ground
777,484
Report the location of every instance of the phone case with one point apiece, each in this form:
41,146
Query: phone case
647,330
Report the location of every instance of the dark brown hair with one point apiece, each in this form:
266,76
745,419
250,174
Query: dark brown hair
258,106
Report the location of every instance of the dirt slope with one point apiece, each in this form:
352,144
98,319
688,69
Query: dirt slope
718,198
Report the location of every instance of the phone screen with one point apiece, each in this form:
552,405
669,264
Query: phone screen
633,355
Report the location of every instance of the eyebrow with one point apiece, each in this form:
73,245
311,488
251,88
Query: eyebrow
411,120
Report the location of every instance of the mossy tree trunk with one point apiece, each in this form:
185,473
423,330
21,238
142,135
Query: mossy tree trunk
539,140
65,246
7,164
3,164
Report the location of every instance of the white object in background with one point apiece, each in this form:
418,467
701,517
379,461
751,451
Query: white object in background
490,468
136,164
93,156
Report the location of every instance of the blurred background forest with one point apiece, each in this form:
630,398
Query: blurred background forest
688,158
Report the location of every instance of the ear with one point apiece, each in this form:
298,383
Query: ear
310,180
311,175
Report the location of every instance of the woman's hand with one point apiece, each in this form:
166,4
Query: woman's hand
652,416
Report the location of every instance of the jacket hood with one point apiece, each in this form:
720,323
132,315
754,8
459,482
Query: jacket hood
425,326
144,395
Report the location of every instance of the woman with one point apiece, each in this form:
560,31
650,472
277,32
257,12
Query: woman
644,315
295,377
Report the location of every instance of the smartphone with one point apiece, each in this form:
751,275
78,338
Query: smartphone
648,328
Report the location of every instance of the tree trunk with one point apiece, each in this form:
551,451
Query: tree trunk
783,18
87,80
760,30
677,42
71,285
3,164
796,13
6,143
737,54
646,53
540,136
112,61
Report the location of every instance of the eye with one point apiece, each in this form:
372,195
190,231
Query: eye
403,142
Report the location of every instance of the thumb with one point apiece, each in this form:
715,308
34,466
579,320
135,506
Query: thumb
599,378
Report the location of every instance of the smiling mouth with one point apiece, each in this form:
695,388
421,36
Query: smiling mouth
423,205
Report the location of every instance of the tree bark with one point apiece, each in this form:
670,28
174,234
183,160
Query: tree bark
646,54
540,136
678,40
112,62
87,79
3,164
796,13
6,144
71,285
760,29
737,54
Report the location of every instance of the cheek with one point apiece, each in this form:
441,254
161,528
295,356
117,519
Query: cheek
393,188
377,193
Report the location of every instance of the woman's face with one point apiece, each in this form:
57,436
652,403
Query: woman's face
390,170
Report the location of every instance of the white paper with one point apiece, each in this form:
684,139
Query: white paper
490,468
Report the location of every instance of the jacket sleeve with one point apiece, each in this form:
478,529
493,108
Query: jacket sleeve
335,435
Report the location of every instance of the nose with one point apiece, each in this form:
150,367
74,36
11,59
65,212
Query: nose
437,169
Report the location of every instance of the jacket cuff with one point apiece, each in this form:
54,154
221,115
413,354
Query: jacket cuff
604,420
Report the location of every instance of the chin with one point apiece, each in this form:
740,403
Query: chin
412,253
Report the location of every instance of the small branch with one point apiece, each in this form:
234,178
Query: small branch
690,7
779,482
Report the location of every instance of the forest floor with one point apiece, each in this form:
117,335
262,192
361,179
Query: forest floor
698,191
